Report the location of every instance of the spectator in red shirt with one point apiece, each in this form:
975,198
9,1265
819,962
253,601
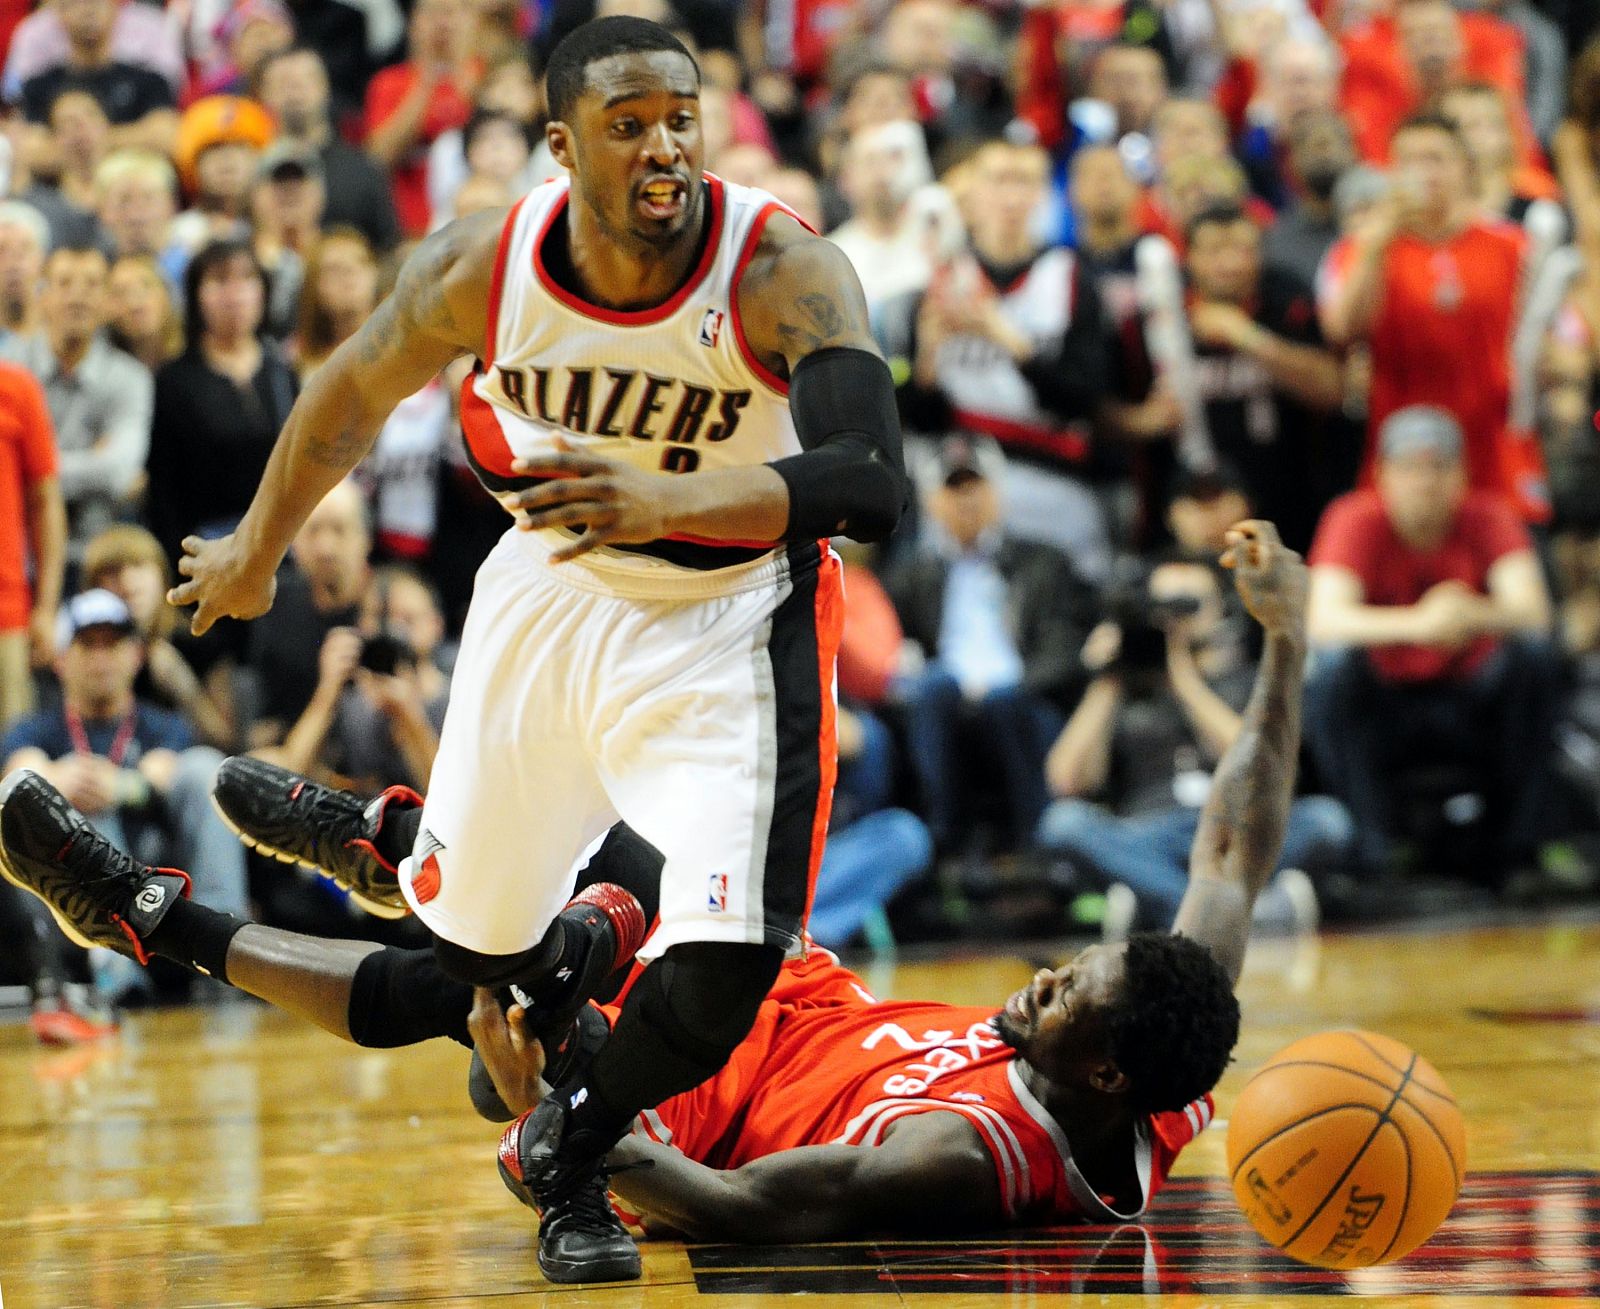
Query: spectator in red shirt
1400,62
1433,286
410,104
1433,597
33,524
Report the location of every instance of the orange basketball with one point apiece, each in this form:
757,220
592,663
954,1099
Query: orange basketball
1346,1149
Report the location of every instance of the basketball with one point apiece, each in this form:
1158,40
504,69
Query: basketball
1346,1149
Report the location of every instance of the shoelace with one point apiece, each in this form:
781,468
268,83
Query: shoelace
105,864
580,1197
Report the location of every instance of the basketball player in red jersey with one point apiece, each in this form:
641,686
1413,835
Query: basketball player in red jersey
838,1114
641,645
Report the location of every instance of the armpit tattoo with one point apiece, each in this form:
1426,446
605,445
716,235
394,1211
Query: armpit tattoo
418,299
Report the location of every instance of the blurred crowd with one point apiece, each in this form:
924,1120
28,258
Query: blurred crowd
1142,268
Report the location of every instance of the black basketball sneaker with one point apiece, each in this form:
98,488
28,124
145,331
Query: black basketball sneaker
581,1239
299,821
99,895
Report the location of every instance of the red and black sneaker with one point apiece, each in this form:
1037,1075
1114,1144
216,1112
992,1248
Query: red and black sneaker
298,821
605,929
98,894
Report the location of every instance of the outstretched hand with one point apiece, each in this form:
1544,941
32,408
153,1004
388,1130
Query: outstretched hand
515,1060
1272,579
224,582
614,502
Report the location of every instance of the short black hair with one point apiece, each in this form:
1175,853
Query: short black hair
482,118
1173,1027
1224,213
567,73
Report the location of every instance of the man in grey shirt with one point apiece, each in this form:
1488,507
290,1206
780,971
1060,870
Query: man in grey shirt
1321,151
99,397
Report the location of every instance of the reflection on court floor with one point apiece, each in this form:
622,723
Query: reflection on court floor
1512,1233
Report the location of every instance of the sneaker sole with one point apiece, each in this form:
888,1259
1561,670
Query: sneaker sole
618,1268
374,907
10,784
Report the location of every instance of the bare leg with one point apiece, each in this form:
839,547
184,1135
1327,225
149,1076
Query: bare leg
304,975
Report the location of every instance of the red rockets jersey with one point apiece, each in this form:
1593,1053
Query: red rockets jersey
826,1063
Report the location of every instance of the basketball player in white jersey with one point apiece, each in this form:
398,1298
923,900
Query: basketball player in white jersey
678,398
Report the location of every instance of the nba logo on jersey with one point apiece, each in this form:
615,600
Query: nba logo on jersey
717,893
711,327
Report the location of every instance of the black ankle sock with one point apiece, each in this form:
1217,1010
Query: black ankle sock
584,929
398,834
594,1125
196,937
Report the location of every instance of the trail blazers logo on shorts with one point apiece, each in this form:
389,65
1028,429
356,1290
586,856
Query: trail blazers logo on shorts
425,873
717,893
711,327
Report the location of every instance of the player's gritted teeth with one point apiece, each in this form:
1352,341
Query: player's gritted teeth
1022,1009
662,198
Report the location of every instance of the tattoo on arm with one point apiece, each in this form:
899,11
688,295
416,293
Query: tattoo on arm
1241,830
825,324
417,304
341,450
805,298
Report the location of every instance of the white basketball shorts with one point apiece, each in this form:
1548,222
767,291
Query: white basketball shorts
698,707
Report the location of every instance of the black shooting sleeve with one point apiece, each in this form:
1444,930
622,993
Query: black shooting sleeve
851,478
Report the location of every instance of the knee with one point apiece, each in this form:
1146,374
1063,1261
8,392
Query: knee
1336,679
709,992
492,971
1533,660
1327,823
934,687
908,836
1067,823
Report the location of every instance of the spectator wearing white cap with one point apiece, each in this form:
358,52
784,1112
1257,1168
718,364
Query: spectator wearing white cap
1431,606
132,768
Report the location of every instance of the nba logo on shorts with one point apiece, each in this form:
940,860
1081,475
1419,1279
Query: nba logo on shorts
717,894
711,327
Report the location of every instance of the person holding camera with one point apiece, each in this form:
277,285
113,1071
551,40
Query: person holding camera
320,592
1169,679
375,716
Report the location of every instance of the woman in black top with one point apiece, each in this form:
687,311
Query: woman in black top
220,405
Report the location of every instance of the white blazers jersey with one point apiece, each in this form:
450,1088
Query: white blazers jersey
985,387
674,388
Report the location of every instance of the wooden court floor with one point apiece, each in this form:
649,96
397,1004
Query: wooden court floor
231,1156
